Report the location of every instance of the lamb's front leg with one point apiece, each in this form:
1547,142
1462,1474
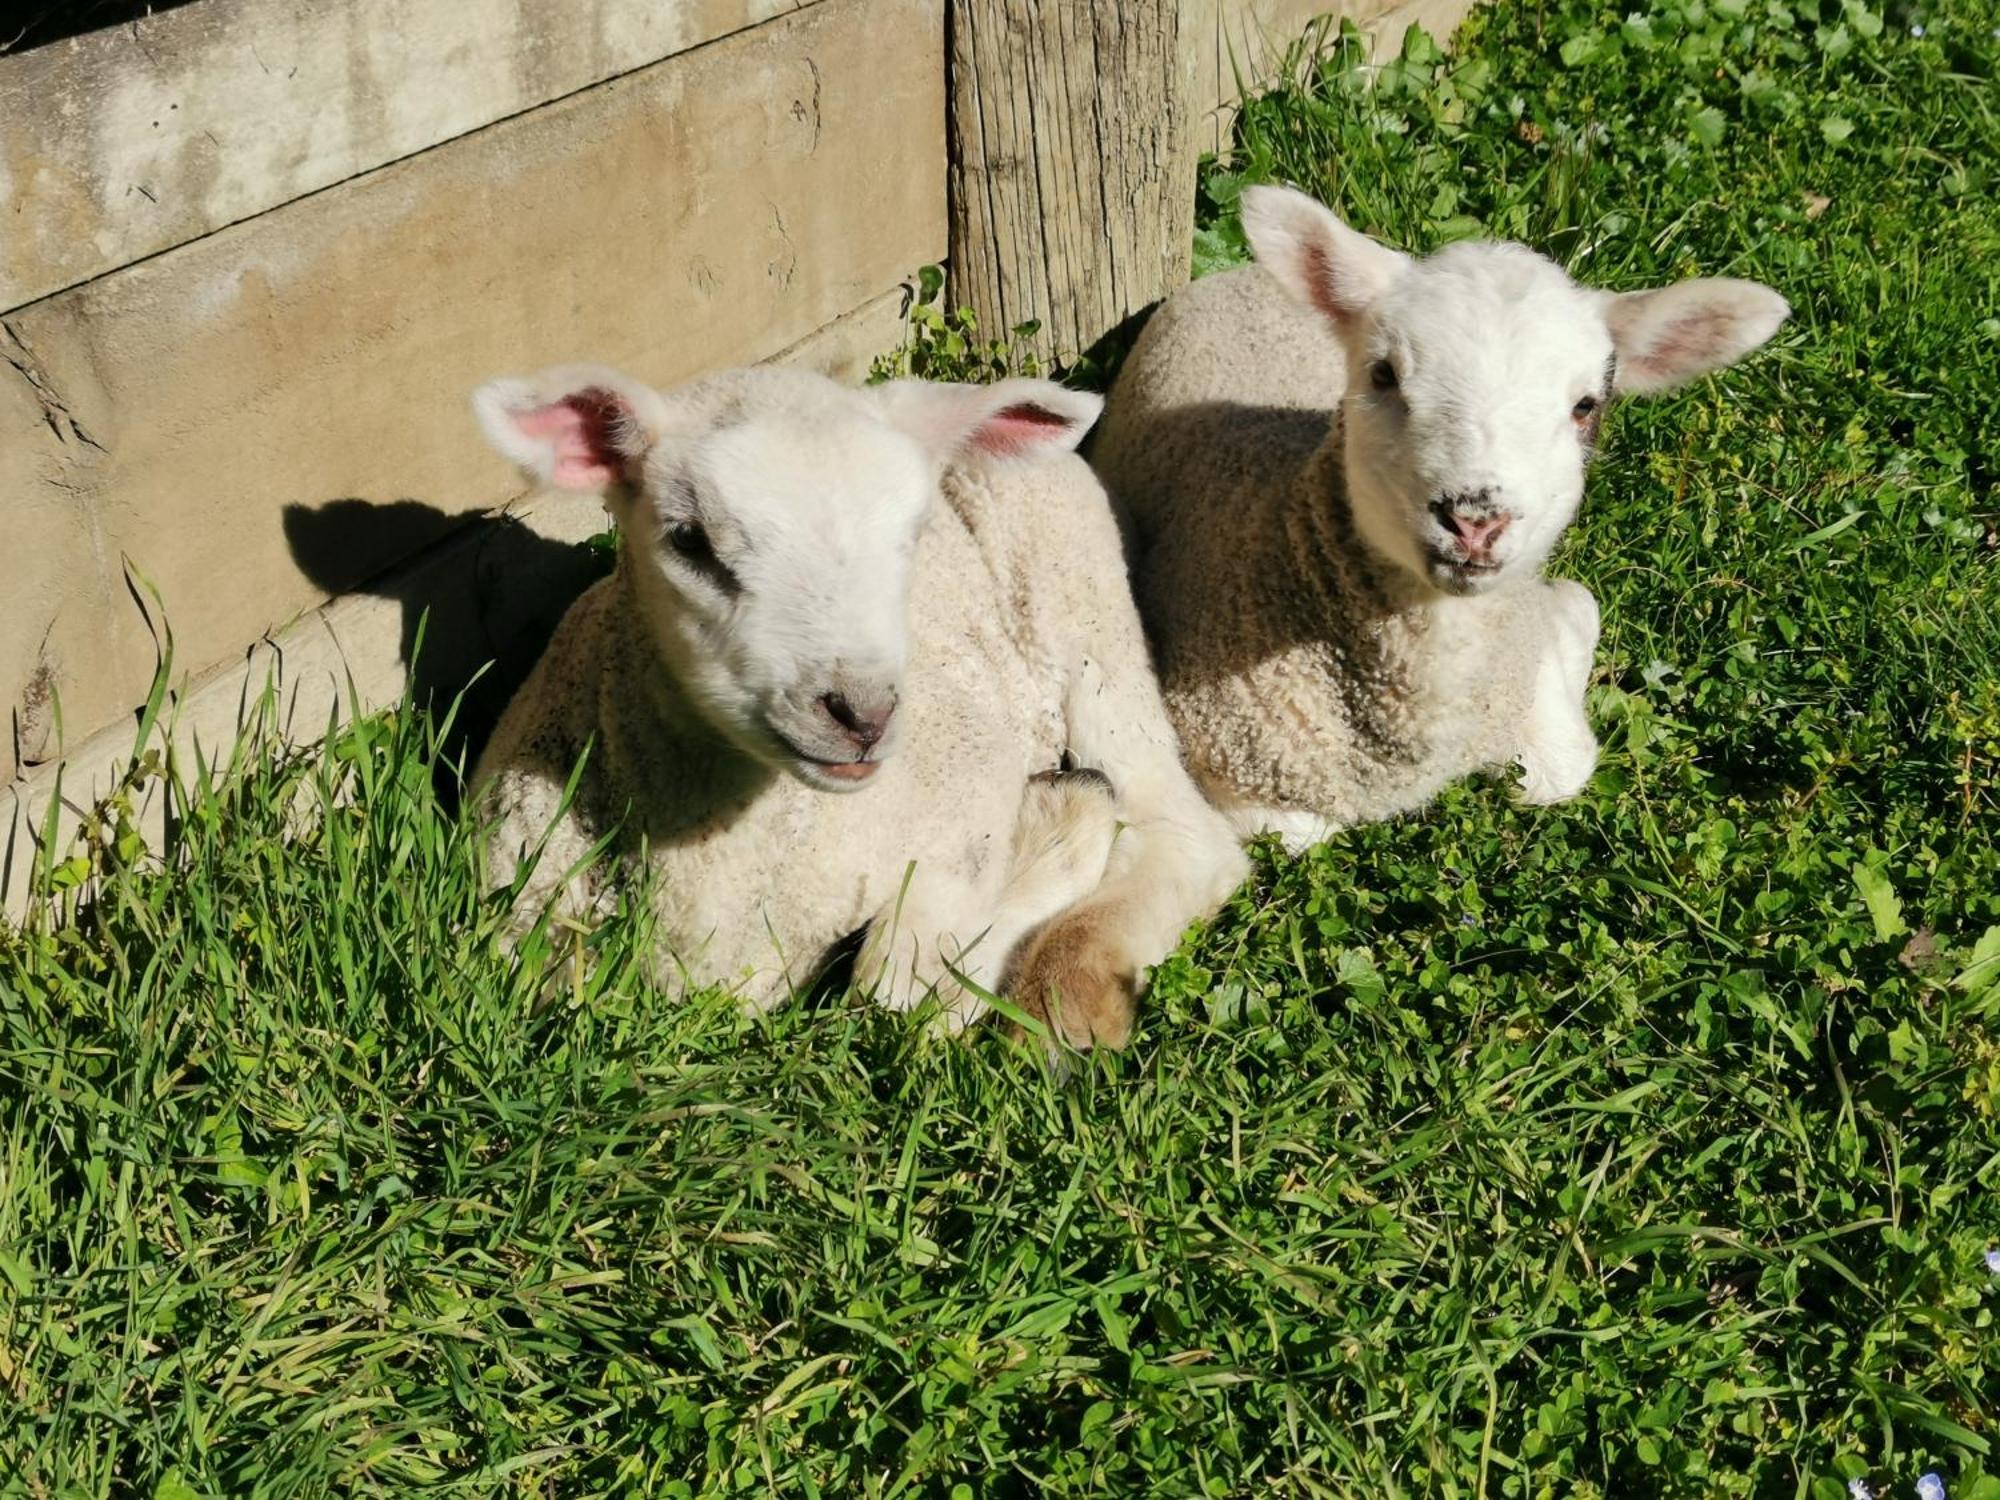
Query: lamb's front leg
1297,829
949,937
1175,862
1558,751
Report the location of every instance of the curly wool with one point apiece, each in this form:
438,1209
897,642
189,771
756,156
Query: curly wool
1017,597
1304,674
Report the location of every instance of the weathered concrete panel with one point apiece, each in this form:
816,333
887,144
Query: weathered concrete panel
712,209
124,142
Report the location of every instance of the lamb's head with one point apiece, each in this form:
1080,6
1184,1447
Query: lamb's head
768,521
1476,379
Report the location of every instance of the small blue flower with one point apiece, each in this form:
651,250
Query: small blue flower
1993,1261
1857,1489
1930,1487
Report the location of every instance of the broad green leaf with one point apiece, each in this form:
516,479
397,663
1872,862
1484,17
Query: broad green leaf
1984,966
1885,908
1708,125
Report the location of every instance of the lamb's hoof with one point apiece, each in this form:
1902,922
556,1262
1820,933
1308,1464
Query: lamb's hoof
1075,775
1557,773
1071,981
1068,822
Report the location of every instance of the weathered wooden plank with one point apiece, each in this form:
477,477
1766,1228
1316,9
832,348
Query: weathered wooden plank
713,209
1072,176
124,142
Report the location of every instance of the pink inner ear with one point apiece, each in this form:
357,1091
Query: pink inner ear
1338,290
1017,428
1325,284
1694,340
578,430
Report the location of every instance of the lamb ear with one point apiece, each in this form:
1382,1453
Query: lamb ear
1672,334
1336,270
1010,417
576,427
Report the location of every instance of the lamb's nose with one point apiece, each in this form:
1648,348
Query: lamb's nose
1477,525
1479,533
865,726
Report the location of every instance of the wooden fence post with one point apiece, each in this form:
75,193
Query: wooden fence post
1072,163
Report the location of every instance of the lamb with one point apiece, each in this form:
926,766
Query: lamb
850,639
1343,471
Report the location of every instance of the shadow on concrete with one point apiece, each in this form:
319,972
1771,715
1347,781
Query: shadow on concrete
485,592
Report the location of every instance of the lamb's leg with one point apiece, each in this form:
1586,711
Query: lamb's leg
1297,829
951,937
1558,750
1176,859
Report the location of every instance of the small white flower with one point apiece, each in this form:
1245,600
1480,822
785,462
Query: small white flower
1917,30
1993,1261
1857,1489
1930,1487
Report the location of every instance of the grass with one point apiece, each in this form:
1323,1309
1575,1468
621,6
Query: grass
1643,1146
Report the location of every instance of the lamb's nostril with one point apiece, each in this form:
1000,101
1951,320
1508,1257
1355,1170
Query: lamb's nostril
839,709
1479,533
1473,520
866,727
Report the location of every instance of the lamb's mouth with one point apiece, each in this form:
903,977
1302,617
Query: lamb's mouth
849,773
846,770
1463,572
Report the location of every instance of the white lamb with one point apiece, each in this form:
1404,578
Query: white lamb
1345,469
849,634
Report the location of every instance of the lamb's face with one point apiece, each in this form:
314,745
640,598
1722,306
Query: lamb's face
1476,380
770,518
1476,384
772,558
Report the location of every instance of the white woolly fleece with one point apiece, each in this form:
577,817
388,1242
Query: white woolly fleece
1345,468
1314,683
1022,645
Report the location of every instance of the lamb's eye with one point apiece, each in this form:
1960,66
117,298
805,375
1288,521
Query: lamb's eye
691,542
1583,409
1382,375
688,539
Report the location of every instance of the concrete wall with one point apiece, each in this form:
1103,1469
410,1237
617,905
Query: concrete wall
253,255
